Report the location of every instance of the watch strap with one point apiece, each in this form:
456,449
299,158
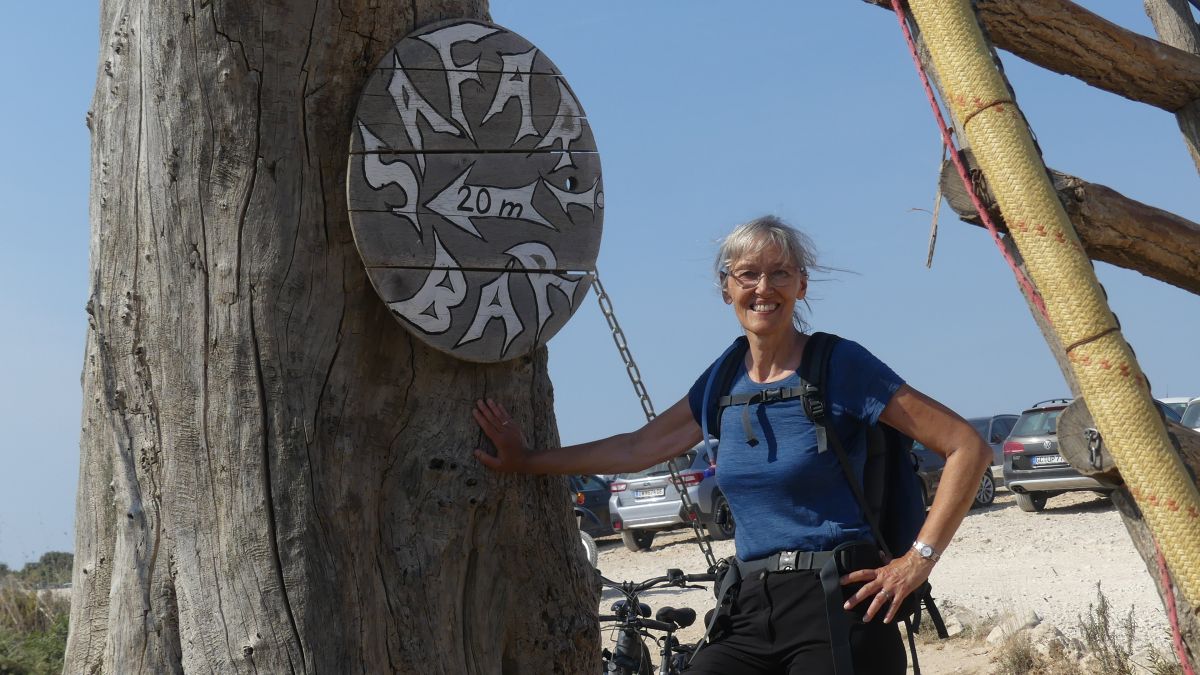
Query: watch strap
920,547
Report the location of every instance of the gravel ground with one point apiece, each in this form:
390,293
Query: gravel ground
1002,560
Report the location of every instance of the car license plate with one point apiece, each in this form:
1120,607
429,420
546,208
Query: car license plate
1044,460
649,492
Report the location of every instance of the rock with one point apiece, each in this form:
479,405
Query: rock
1050,642
958,619
953,626
1012,624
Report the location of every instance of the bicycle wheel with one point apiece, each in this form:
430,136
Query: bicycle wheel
589,547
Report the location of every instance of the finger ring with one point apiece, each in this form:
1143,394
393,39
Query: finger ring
505,423
886,594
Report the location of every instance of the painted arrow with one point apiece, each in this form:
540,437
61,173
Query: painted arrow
461,201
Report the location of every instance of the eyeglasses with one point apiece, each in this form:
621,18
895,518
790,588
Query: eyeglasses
751,278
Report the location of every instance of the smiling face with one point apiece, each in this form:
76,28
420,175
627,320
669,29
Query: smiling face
765,308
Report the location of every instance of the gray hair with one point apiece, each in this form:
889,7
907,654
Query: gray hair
754,237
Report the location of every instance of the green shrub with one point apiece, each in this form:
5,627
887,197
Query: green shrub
33,630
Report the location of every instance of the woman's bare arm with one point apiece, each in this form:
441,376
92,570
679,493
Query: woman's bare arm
944,432
663,438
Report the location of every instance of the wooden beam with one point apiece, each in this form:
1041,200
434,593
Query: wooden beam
1112,227
1063,37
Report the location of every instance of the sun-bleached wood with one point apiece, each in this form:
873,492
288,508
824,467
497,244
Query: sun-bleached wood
275,477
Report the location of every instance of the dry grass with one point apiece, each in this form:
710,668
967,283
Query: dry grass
1108,641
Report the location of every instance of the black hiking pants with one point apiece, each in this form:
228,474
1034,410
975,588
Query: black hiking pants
777,626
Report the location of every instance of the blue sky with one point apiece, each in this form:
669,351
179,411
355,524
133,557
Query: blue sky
704,118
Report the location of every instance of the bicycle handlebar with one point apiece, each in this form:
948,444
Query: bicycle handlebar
644,623
674,577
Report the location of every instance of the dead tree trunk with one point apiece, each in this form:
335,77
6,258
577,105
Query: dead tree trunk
275,477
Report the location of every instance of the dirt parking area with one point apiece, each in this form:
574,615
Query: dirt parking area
1003,560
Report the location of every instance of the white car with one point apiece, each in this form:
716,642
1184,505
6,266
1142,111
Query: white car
1191,415
1178,403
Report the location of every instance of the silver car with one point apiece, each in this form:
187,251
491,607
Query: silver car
995,430
1191,415
648,502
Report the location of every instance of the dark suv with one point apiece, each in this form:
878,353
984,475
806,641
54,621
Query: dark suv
1033,467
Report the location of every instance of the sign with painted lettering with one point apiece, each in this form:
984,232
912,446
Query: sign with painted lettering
474,190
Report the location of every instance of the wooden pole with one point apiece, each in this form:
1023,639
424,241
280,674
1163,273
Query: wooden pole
1175,26
1131,516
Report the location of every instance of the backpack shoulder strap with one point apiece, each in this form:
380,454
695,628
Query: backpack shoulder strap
814,372
720,379
814,367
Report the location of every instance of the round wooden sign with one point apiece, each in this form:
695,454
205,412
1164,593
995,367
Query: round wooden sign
474,190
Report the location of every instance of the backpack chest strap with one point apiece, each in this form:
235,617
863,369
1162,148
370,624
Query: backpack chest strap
814,407
746,400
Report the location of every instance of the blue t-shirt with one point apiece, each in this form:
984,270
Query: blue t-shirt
784,495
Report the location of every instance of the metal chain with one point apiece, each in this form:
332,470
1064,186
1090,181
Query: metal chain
639,388
618,336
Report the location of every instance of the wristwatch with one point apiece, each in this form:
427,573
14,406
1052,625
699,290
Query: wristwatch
926,551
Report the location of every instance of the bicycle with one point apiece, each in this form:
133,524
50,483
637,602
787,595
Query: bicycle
631,655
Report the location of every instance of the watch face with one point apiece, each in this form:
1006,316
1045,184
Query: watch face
926,551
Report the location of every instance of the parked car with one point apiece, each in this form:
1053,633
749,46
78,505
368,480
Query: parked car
1168,411
929,468
1033,467
1178,403
1191,415
647,502
995,430
591,493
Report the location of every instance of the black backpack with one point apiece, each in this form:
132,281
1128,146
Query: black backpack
890,494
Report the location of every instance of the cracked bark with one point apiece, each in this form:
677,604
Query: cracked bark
273,478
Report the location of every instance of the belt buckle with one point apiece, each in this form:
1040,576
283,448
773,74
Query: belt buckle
787,561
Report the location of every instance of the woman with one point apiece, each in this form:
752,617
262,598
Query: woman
784,494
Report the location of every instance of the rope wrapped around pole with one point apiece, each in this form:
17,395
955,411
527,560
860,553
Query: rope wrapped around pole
1103,363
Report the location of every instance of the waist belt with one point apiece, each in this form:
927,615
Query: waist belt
831,564
784,561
